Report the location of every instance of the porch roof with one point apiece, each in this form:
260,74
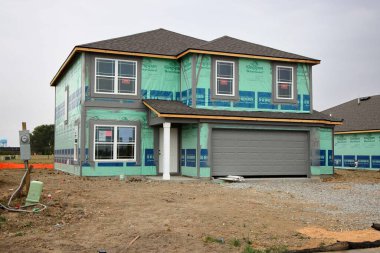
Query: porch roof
176,109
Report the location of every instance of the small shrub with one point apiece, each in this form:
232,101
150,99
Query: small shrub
235,242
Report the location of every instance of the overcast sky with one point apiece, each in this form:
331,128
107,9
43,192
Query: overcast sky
37,36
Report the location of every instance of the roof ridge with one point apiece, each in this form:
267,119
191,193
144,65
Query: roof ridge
140,33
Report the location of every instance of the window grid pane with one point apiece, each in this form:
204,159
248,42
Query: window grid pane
225,69
104,134
105,84
125,134
105,67
127,69
125,151
104,151
127,85
224,86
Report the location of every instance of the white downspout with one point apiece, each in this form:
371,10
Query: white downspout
166,158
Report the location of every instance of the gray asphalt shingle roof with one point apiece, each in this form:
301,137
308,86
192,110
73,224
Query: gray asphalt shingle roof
159,41
231,45
358,115
164,42
177,107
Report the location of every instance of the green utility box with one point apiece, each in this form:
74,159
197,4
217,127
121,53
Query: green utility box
34,194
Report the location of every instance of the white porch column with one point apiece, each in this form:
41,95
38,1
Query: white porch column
166,158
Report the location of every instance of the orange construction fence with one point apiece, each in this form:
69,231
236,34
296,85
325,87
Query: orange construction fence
10,166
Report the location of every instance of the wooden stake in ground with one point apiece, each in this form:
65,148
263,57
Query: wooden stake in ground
28,168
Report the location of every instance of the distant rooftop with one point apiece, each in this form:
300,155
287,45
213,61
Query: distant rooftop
358,114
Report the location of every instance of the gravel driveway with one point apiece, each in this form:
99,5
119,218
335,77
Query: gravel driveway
357,205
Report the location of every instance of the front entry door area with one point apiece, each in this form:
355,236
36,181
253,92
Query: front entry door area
173,150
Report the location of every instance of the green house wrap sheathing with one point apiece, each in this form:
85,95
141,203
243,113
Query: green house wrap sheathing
160,79
255,87
323,164
189,150
185,92
65,131
363,147
204,163
145,146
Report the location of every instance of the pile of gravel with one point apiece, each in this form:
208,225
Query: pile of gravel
338,199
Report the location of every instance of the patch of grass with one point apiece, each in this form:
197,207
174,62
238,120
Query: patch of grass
235,242
213,239
274,249
19,233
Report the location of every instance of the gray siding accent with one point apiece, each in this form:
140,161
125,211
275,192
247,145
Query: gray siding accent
259,153
90,60
274,80
311,87
213,79
193,80
113,123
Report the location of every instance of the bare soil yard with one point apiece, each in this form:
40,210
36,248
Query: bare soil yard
88,214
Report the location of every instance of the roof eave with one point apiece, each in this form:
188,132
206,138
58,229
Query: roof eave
213,117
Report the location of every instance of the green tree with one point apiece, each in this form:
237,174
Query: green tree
42,140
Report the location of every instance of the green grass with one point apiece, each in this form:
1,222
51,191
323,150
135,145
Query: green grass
274,249
35,159
235,242
213,239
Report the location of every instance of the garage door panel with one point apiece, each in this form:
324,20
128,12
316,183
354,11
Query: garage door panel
252,152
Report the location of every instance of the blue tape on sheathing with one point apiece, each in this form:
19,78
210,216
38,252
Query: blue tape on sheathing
363,161
349,161
217,102
204,158
201,96
178,96
110,164
264,101
329,158
183,157
162,95
322,157
306,103
293,107
375,161
190,97
191,158
246,99
184,96
144,94
131,164
149,157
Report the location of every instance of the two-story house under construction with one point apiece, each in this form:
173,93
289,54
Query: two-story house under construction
160,102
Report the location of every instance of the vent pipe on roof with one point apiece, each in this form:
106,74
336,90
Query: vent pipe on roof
358,101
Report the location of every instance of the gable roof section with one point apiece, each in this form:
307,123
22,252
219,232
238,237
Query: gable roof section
176,109
161,43
361,114
228,44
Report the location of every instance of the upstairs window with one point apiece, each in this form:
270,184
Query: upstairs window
284,82
116,76
225,78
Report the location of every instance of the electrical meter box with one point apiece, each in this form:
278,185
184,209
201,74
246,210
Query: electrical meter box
24,145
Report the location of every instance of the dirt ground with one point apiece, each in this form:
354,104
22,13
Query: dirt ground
89,214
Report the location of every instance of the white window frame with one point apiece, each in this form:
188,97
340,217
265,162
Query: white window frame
233,78
115,142
291,83
116,77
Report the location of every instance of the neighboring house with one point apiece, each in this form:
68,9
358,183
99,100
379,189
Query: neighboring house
160,102
358,139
